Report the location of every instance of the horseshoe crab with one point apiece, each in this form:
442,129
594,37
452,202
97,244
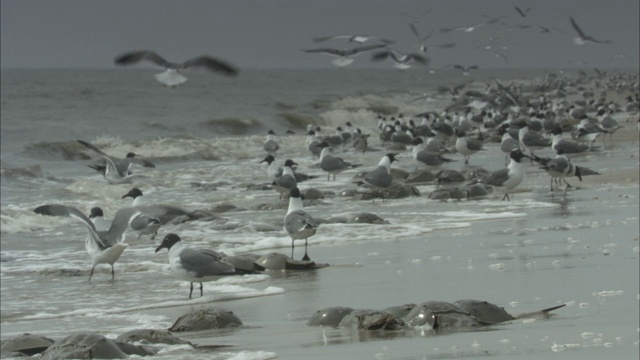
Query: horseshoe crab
329,316
150,336
440,315
370,320
206,319
489,313
400,311
278,261
92,346
484,311
27,344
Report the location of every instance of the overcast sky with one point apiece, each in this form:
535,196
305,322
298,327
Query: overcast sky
271,33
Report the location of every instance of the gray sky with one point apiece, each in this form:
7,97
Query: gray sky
271,33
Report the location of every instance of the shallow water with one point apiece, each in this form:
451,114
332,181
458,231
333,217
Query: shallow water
536,251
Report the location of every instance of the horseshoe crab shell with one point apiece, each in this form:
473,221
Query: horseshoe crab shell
440,315
150,336
484,311
278,261
206,319
370,320
329,316
400,311
84,346
27,344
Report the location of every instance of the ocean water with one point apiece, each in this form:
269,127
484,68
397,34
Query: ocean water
536,251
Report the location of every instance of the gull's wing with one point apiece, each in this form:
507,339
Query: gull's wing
135,57
203,263
212,64
331,51
577,28
326,38
498,177
298,220
121,221
361,49
63,210
92,147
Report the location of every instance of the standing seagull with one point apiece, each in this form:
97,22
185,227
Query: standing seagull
560,168
195,265
583,38
343,57
104,247
283,184
171,76
270,144
298,223
380,178
467,146
332,164
509,177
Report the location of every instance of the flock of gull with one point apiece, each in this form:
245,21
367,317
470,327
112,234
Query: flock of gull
522,120
514,121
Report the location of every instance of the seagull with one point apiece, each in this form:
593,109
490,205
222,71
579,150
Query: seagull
467,146
104,247
401,61
298,223
195,265
583,38
343,57
96,216
274,171
360,39
164,213
270,144
171,76
524,12
421,41
509,177
430,159
313,142
508,144
561,167
131,157
380,178
469,28
283,184
531,140
566,146
116,170
465,71
360,143
332,164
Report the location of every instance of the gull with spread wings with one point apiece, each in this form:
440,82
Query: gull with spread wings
171,76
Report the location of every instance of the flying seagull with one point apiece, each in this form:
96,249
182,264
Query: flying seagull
171,76
470,28
583,38
523,13
465,71
343,56
401,61
360,39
